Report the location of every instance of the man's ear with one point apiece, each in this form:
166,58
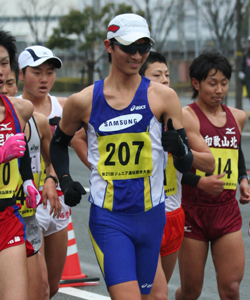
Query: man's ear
21,75
107,45
195,83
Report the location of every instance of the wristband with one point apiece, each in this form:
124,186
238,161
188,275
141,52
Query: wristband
53,177
241,177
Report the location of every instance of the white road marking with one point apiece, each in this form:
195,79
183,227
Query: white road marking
82,294
245,133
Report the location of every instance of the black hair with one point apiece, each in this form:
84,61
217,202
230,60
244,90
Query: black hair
205,62
152,58
15,69
112,46
8,42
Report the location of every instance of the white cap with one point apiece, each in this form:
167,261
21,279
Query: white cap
34,56
128,28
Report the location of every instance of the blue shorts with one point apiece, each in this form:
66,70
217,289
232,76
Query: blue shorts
127,247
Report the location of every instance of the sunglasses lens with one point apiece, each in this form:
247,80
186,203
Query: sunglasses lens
145,48
133,48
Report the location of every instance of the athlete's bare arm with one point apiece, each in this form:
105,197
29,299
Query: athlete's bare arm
240,117
76,111
203,158
49,189
79,144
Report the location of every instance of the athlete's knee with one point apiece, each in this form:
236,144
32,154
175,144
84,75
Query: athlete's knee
46,289
230,291
158,296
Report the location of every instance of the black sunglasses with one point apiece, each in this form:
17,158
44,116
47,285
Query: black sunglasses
133,48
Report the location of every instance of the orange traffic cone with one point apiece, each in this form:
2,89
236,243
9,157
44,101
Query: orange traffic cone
72,275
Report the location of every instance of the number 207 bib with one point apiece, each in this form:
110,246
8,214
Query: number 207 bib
125,156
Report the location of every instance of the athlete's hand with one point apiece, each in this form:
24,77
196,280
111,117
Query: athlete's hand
49,192
72,190
244,191
14,147
172,142
212,184
33,198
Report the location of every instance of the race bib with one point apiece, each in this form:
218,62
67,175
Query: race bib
226,160
125,156
9,176
170,178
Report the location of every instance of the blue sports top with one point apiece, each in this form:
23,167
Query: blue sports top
125,153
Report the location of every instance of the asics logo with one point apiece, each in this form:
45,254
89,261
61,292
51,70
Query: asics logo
34,147
5,127
134,107
146,285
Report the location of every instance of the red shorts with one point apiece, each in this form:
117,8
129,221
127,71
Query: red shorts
209,222
12,227
173,232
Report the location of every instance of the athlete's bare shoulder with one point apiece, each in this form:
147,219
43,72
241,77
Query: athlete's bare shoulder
77,110
42,124
40,119
24,108
165,103
240,117
189,110
83,98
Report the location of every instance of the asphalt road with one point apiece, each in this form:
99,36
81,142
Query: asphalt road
87,257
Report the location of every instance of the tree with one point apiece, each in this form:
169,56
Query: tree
84,31
35,11
162,16
220,17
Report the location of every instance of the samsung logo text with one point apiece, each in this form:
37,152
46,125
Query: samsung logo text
120,123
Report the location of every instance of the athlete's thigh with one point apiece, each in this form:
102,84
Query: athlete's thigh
229,248
192,259
168,264
35,278
55,246
14,273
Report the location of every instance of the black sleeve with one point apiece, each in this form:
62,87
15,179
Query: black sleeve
190,179
25,165
59,155
242,171
184,164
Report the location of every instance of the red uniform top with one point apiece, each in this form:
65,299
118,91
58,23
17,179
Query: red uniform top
224,144
9,172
